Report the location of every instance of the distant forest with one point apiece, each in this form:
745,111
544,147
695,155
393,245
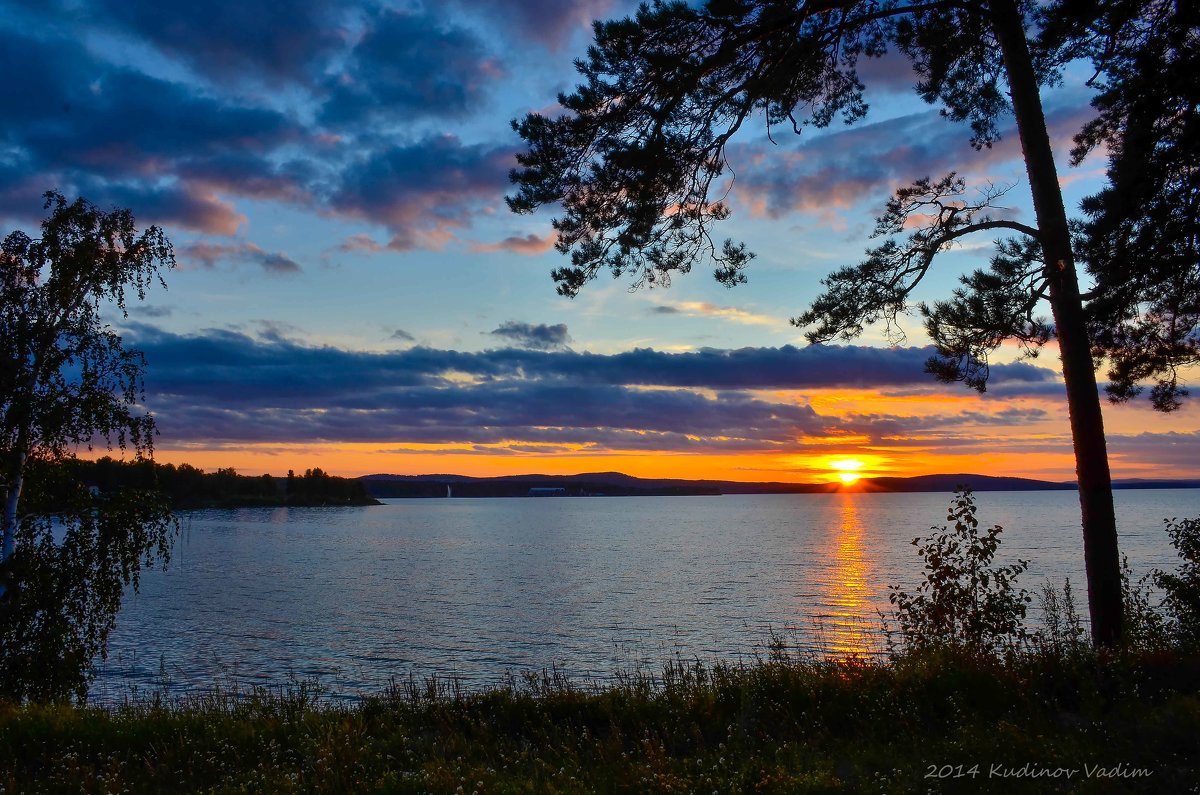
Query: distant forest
190,487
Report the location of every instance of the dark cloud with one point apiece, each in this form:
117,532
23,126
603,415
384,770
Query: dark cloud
179,156
326,105
169,204
891,74
551,22
663,309
262,369
539,338
423,191
108,121
402,335
1168,455
120,137
227,386
209,254
152,311
235,39
409,64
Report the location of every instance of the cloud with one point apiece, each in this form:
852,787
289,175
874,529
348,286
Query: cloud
539,338
207,255
233,39
360,242
1161,455
551,22
331,107
227,386
422,191
402,335
171,204
111,121
838,170
121,137
409,64
152,311
264,368
892,74
530,245
179,154
707,309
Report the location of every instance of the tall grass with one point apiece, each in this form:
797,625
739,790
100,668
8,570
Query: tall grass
788,721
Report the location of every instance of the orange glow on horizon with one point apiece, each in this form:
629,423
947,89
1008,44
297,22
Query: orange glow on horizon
973,438
808,464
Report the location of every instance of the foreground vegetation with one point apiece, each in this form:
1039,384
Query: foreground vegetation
787,723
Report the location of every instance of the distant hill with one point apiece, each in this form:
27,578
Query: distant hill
619,484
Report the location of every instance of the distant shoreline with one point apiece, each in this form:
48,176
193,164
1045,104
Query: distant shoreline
616,484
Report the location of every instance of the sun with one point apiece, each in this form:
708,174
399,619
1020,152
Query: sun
847,469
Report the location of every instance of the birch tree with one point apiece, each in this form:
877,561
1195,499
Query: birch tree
68,382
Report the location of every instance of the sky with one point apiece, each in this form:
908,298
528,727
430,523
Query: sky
352,292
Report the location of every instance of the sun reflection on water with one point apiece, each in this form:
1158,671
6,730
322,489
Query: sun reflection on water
849,623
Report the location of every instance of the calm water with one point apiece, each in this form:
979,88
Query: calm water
478,588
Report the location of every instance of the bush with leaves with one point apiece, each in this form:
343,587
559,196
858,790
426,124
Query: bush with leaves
964,600
1181,590
1145,627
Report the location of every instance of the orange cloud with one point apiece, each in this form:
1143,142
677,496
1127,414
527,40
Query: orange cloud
530,245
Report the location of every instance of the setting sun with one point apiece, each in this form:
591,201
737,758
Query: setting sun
847,469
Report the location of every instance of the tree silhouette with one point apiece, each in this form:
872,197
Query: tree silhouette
1141,239
636,161
68,381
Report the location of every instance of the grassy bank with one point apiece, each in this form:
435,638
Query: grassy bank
788,723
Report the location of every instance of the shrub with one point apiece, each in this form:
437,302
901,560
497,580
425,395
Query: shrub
1145,627
1182,590
964,600
1062,634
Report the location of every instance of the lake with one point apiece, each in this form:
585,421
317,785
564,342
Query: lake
481,588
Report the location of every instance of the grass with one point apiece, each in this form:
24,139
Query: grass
789,722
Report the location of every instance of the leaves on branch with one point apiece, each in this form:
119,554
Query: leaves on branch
1141,239
67,377
991,306
638,161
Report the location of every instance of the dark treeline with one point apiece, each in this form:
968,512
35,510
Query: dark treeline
189,487
525,487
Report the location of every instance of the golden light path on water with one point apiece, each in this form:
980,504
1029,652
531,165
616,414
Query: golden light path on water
846,631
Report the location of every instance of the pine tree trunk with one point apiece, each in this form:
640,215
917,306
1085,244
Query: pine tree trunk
1083,399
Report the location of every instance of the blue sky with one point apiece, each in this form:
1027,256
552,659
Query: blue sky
353,293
